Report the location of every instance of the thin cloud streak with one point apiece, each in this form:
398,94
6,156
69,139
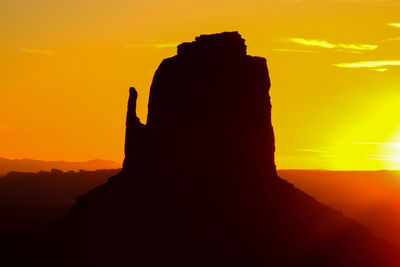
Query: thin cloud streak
390,39
394,158
397,25
328,45
312,42
358,46
37,51
369,64
295,51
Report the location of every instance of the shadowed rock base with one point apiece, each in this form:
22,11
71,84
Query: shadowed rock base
199,185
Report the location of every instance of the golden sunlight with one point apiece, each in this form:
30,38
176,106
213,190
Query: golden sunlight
372,142
391,151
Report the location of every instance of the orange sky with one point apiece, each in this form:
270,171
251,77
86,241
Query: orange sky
66,67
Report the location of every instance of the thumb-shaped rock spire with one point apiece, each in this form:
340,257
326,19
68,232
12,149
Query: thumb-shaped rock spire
132,103
133,133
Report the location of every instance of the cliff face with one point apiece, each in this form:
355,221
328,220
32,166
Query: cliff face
199,185
209,109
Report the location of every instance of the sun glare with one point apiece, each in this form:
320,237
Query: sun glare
372,141
391,151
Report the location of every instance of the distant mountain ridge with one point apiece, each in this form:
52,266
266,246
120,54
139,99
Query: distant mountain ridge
32,165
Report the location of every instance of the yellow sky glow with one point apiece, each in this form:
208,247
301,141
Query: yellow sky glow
37,51
66,67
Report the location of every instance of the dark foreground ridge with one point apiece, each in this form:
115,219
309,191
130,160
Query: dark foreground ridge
199,185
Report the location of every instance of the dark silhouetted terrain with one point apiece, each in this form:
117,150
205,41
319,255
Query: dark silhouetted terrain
199,185
370,197
31,165
30,201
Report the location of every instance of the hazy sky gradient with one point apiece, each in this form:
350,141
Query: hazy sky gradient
66,67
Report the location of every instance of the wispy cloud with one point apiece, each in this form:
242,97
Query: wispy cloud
358,46
328,45
397,25
295,51
391,39
381,157
372,65
165,45
152,45
37,51
312,42
395,158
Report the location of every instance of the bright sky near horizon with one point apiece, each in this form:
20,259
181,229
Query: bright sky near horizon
66,67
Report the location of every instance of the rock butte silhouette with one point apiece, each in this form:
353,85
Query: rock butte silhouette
199,185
